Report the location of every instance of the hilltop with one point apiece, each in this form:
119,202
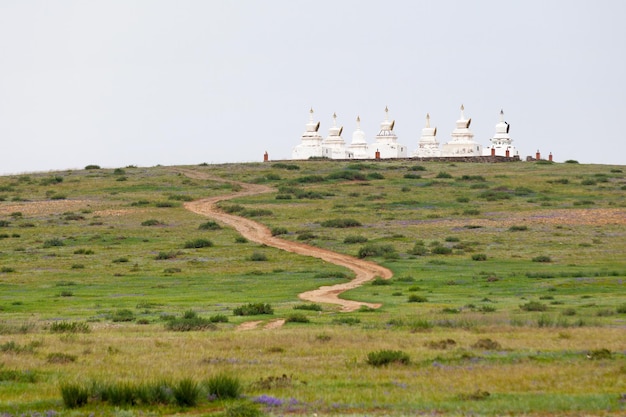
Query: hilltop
528,255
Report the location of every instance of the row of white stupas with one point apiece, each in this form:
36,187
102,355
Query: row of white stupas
386,145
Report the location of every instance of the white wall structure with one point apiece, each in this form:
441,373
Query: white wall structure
462,143
427,145
334,147
359,149
310,141
501,141
387,141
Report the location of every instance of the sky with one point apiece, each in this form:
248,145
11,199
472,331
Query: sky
148,82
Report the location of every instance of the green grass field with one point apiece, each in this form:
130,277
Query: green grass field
508,295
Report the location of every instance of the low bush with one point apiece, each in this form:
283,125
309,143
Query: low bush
479,257
387,357
253,309
376,249
412,176
258,257
354,239
74,395
198,243
306,236
166,255
11,375
92,166
180,197
256,213
542,258
121,315
297,318
223,386
210,225
310,307
83,251
277,231
486,344
414,298
350,321
218,318
381,281
534,306
152,222
441,250
69,327
186,392
444,175
417,168
53,242
518,228
189,322
341,223
60,358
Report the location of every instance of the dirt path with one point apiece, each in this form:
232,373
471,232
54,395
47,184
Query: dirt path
365,271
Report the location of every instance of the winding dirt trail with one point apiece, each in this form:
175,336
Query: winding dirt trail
365,271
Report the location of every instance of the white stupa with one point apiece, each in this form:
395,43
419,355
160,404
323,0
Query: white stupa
501,141
334,147
310,141
462,143
387,142
358,149
428,145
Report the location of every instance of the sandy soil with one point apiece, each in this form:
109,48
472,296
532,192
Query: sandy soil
364,270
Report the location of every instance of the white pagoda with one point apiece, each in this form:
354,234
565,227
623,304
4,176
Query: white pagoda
462,143
501,143
427,145
311,141
334,147
359,149
386,145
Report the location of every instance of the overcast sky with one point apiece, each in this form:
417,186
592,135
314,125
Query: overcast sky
130,82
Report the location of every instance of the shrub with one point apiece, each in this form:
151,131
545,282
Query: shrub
53,242
533,306
375,176
180,197
441,250
341,223
355,239
518,228
283,197
152,222
412,176
600,354
487,344
387,357
419,249
198,243
223,386
471,212
189,322
88,167
5,223
256,213
381,281
258,257
297,318
309,307
60,357
621,309
347,320
121,260
542,258
376,249
253,309
123,314
218,318
210,225
186,392
306,236
83,252
417,168
479,257
350,175
165,204
571,161
74,395
166,255
443,174
414,298
277,231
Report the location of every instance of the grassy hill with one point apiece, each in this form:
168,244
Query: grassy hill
507,295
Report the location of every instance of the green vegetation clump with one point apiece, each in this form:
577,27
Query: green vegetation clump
210,225
534,306
297,318
277,231
152,222
92,166
223,386
198,243
542,258
310,307
54,242
253,309
341,223
69,327
377,249
258,257
479,257
387,357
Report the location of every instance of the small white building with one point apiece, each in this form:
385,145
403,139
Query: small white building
310,141
359,149
427,145
501,143
462,143
334,147
386,145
